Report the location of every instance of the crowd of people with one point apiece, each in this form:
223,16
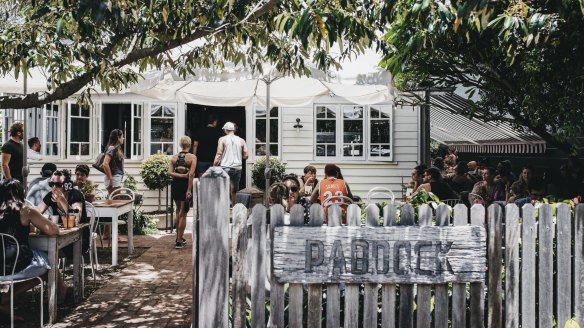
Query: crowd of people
478,182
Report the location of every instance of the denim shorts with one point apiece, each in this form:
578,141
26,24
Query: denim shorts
234,177
37,267
117,181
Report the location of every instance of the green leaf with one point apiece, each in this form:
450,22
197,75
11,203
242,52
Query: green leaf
60,24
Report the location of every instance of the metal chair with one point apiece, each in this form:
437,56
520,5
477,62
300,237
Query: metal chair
8,278
93,224
381,191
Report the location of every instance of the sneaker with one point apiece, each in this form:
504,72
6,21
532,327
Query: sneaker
184,241
179,245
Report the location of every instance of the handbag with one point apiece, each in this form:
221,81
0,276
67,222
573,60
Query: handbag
98,164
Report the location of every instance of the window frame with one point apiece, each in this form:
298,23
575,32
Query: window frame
135,144
44,130
340,132
70,104
148,141
277,143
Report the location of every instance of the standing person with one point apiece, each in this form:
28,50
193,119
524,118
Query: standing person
182,170
113,163
231,151
205,145
12,151
34,145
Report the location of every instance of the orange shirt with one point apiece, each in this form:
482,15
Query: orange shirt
333,187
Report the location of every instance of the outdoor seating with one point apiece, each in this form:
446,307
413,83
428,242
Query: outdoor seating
121,193
380,191
93,224
9,278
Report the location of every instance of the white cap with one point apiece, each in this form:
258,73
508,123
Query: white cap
229,126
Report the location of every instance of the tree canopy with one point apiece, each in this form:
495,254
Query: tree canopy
523,60
87,42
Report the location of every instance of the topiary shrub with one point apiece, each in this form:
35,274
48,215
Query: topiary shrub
257,172
154,173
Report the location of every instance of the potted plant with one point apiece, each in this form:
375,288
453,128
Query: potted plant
88,189
257,172
154,173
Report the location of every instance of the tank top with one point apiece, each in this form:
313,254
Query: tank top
10,224
180,166
231,152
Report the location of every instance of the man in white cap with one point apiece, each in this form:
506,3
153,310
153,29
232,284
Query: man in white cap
231,151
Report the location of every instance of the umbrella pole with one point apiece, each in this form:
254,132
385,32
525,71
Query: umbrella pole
24,139
267,172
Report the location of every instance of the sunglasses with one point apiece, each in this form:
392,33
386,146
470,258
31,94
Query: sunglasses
55,184
294,189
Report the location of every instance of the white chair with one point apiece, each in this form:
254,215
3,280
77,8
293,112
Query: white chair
8,278
339,200
93,223
380,191
121,193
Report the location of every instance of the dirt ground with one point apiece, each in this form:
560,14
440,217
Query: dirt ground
28,306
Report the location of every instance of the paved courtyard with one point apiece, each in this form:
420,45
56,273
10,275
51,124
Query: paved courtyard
154,290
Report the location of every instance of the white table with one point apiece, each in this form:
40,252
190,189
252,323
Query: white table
52,245
114,209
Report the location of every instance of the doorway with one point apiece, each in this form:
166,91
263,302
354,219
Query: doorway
116,116
197,116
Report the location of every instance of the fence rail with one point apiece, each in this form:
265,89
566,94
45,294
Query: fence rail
335,276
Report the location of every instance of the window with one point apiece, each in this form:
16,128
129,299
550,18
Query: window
353,132
50,139
380,132
162,129
136,131
260,131
79,122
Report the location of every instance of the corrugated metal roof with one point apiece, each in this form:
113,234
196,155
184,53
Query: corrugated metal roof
450,127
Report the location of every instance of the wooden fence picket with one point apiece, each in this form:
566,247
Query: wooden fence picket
239,275
528,267
370,290
494,263
459,289
333,295
276,289
258,275
564,263
477,289
579,263
406,291
441,290
314,290
512,232
424,318
295,291
388,290
546,266
352,290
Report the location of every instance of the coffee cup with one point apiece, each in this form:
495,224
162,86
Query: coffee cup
68,221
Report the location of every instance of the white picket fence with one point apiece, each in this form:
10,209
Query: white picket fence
541,253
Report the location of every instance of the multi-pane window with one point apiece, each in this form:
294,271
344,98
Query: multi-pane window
260,131
379,132
162,129
136,131
326,131
50,139
79,122
353,132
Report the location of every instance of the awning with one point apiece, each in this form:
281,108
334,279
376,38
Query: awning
471,135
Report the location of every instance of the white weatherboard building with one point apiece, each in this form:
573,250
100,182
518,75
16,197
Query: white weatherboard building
352,124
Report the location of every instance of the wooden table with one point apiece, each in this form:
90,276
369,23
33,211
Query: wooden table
114,208
52,245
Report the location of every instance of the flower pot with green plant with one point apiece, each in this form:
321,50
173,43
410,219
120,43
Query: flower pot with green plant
278,170
154,173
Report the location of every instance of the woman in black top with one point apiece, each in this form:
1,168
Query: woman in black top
113,163
182,169
15,220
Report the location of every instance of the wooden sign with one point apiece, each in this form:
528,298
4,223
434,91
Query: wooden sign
403,254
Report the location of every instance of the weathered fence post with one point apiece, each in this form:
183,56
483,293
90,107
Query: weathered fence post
441,304
495,319
388,293
579,263
195,258
406,291
333,295
214,260
276,290
314,290
564,263
295,291
258,275
546,266
424,317
528,267
512,232
351,290
459,289
239,275
371,290
477,289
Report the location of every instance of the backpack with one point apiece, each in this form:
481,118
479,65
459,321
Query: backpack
98,164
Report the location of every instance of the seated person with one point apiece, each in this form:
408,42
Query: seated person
519,188
489,190
292,184
308,181
328,187
82,182
459,181
63,201
434,183
536,193
39,187
15,220
417,178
